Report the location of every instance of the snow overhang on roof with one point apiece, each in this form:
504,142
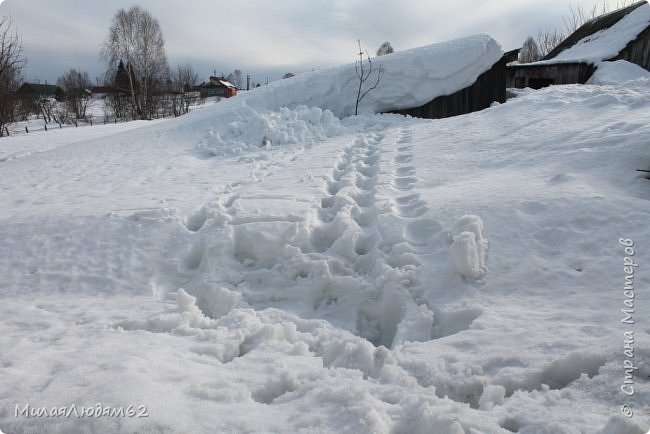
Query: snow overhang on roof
227,84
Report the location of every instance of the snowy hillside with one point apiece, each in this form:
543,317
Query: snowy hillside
266,265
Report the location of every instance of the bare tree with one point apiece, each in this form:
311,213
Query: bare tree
136,39
47,107
11,65
529,51
578,15
183,79
384,49
548,39
363,74
236,78
76,87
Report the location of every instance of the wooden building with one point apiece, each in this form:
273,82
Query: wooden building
559,68
217,86
488,88
536,75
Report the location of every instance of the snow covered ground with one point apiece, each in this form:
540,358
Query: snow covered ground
250,268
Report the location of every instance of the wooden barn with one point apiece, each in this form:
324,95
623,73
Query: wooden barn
576,58
488,88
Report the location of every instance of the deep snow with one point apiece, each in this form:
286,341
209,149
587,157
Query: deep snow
258,268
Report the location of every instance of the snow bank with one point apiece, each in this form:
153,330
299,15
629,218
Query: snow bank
620,71
243,128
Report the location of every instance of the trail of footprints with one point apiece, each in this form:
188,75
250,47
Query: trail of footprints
408,205
389,229
355,179
361,253
352,190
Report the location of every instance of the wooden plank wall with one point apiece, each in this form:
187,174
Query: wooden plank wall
521,76
638,51
488,87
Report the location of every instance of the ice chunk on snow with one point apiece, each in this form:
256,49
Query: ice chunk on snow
493,394
216,301
469,247
415,326
191,313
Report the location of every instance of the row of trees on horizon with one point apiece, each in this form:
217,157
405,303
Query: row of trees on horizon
143,86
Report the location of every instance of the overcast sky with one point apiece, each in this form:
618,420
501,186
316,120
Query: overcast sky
270,38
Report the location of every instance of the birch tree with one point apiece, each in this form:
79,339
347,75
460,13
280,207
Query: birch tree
12,62
135,38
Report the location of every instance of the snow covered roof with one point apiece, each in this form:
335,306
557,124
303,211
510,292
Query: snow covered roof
218,82
602,38
411,78
227,84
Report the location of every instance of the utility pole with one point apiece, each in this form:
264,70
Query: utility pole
248,82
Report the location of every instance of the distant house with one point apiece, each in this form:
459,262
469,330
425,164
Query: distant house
217,86
623,34
101,91
40,91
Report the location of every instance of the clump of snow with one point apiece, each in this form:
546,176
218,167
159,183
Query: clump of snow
619,71
243,128
190,311
492,395
607,43
469,247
